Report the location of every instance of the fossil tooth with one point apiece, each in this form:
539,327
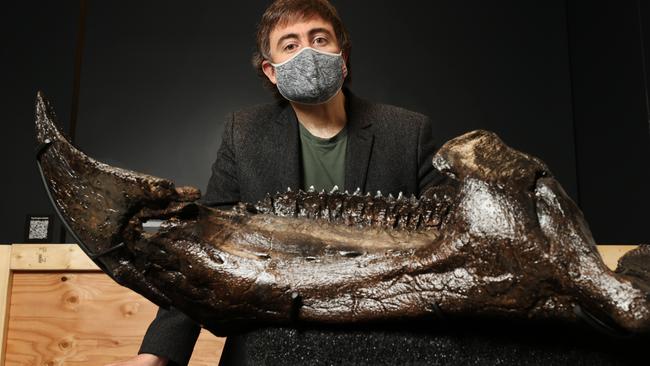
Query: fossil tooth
349,253
263,255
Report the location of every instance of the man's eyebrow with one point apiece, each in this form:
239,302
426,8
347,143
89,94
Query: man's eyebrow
319,30
286,36
311,34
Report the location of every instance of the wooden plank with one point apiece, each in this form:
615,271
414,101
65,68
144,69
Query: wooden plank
75,319
611,253
35,257
5,287
207,350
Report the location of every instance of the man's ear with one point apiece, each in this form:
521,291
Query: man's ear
345,64
269,71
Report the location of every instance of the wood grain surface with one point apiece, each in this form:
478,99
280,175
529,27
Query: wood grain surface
47,257
76,318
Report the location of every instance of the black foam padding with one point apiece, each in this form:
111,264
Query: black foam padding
454,343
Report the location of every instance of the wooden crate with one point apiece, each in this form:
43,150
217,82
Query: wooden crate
60,309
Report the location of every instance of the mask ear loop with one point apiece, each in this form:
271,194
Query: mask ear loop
301,51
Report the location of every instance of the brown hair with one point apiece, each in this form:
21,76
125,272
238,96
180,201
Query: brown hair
281,12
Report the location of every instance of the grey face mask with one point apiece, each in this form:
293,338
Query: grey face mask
310,76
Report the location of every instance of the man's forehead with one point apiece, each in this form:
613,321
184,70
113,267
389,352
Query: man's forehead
302,24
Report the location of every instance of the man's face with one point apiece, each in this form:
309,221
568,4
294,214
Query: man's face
286,40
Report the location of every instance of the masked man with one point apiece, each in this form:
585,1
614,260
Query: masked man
317,135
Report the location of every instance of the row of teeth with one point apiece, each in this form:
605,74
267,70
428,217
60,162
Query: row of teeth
357,193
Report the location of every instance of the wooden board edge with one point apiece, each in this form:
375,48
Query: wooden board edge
5,297
48,257
611,253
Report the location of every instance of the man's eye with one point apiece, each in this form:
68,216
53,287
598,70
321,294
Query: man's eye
290,47
320,41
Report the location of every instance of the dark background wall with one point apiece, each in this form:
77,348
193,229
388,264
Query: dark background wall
37,51
611,115
158,77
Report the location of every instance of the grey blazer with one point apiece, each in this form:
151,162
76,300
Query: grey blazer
389,149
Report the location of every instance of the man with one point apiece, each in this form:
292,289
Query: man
319,134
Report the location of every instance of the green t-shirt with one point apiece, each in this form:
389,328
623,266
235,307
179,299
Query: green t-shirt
323,160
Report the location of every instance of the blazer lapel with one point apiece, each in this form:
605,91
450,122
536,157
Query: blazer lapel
286,160
360,140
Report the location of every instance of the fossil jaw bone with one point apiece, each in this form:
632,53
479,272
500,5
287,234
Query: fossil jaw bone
499,238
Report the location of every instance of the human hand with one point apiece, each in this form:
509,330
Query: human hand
143,359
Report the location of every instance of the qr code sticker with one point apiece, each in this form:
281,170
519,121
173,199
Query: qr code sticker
38,228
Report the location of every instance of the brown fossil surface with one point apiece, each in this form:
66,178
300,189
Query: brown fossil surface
499,237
